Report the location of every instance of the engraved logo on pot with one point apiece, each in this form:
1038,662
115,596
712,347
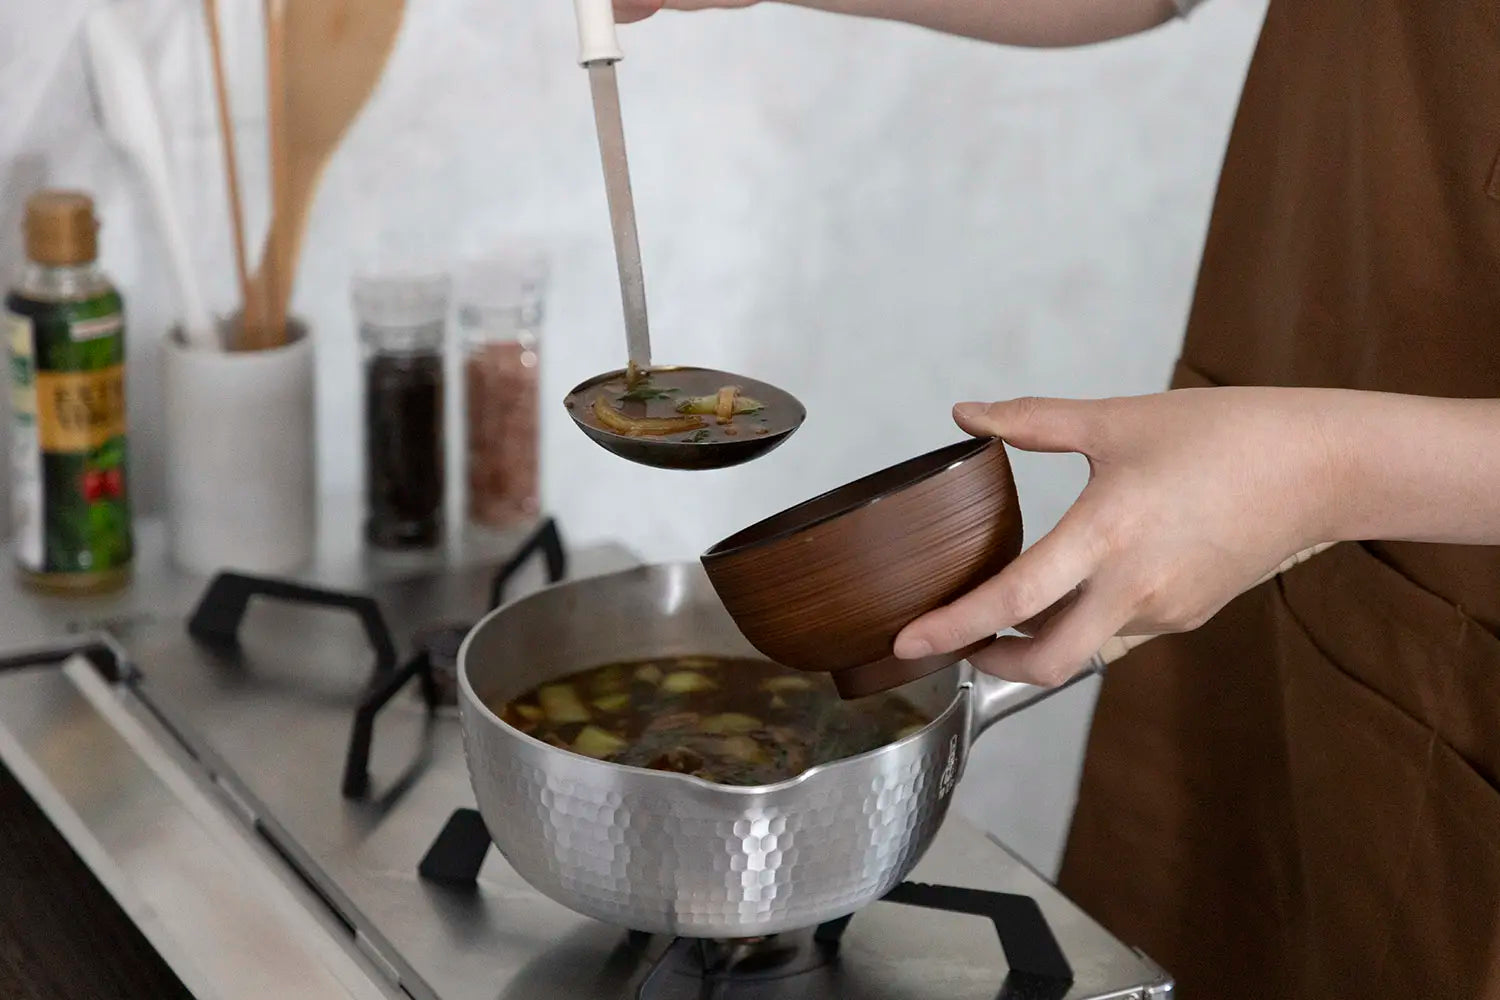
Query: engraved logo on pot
945,780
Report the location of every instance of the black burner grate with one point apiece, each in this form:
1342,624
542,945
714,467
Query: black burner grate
790,966
216,622
101,653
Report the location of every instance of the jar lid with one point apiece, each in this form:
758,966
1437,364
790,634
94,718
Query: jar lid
61,229
400,300
500,297
505,279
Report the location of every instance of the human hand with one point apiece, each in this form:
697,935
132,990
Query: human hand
636,10
1193,496
627,11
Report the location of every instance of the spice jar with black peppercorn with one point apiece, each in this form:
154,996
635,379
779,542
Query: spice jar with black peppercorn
401,328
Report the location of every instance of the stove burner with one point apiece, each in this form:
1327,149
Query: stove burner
780,966
751,968
771,956
217,618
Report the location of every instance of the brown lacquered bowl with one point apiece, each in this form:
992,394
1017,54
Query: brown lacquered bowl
826,585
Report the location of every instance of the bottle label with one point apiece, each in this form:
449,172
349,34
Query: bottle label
68,453
80,411
25,447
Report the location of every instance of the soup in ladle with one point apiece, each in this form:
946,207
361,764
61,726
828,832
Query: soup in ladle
692,405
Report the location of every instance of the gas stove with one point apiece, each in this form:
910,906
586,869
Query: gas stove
268,776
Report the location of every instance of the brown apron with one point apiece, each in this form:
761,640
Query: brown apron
1302,798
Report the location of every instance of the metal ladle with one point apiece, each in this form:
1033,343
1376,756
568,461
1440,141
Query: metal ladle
599,50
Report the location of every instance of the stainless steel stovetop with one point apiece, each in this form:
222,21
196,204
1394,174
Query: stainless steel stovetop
204,784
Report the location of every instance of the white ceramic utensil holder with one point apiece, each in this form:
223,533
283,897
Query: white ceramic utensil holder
241,483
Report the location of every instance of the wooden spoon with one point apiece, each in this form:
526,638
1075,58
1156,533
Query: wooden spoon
333,54
250,317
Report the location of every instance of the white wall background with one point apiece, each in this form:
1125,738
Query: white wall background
881,219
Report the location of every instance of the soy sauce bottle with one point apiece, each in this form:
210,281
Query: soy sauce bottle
64,329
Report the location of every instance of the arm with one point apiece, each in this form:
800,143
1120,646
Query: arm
1412,468
1196,494
1041,23
1008,22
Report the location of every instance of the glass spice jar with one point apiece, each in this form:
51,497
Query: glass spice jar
401,329
500,314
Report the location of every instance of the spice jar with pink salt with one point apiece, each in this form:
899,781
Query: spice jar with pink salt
500,312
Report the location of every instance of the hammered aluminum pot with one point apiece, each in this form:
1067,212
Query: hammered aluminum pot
670,853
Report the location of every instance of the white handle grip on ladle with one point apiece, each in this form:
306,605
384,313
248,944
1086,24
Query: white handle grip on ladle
596,32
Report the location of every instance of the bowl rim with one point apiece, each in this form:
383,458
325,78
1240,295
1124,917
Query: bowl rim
963,451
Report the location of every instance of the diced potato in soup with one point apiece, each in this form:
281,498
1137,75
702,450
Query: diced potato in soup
560,704
686,681
595,742
731,722
613,702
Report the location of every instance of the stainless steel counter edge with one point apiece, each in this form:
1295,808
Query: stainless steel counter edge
223,913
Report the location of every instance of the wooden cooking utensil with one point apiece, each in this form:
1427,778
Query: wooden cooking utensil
271,328
250,307
332,53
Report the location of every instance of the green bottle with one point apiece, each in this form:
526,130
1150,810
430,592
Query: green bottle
64,326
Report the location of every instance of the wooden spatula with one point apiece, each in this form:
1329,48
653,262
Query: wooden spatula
332,55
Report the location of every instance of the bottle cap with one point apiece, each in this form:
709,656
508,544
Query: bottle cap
61,229
401,299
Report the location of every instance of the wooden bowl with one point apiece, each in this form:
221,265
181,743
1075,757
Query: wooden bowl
826,585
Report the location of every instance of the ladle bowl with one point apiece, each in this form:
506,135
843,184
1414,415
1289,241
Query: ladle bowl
784,414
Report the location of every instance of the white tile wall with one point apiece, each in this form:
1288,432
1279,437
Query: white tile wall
879,218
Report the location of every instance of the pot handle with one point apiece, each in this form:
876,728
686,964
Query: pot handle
995,698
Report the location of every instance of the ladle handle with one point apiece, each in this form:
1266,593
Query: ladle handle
996,698
598,51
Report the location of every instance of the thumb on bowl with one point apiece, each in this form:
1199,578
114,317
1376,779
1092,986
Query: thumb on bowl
1032,423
